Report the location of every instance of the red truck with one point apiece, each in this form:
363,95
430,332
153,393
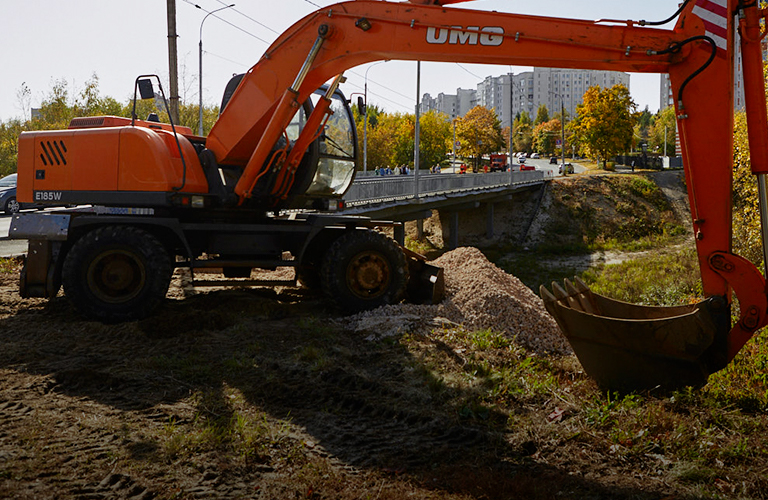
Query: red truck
498,162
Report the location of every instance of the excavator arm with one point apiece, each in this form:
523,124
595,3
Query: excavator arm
699,56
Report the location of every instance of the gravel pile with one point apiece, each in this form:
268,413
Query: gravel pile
479,296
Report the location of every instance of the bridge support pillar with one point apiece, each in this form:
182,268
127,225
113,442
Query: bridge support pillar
453,230
400,233
489,221
420,229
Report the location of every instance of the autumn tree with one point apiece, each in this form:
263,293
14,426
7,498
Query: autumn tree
605,121
545,136
435,136
479,132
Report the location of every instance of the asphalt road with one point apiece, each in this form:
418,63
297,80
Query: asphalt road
10,248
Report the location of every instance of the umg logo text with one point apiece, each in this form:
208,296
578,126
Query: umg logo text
489,36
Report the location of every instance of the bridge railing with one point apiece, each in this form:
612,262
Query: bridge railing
396,187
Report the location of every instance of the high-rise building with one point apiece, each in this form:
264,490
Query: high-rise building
565,88
509,95
453,105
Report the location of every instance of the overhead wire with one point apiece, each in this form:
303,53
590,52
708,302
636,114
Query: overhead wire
277,32
360,87
227,22
226,59
465,69
222,2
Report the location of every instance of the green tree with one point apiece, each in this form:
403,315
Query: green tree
9,152
747,240
605,120
60,105
479,132
664,119
542,115
523,133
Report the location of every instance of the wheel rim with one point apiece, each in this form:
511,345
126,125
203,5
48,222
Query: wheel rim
368,275
116,276
13,206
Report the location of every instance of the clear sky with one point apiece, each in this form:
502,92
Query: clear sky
48,40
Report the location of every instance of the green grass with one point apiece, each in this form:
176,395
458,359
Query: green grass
661,279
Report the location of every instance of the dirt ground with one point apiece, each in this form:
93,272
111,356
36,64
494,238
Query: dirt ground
257,394
266,394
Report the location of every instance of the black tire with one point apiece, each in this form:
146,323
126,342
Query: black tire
116,273
364,269
12,206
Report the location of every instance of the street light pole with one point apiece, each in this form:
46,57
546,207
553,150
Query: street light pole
200,77
562,132
416,136
365,118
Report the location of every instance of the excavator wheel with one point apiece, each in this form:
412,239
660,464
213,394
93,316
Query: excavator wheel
364,269
116,273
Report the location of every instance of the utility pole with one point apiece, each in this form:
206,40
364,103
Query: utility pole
173,71
417,133
453,163
562,132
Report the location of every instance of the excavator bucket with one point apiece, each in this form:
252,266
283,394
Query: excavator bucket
627,347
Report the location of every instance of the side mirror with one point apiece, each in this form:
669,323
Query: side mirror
361,107
146,90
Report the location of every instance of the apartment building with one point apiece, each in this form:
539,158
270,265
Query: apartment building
511,94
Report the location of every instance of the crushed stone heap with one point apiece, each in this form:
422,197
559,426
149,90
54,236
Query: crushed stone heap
478,296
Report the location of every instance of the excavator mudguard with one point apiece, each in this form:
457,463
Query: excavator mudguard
631,347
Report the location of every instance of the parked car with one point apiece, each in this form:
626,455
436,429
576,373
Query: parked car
8,194
534,156
553,160
8,202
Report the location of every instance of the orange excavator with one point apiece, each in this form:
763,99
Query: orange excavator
161,197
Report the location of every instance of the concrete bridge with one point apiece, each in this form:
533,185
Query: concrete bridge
401,198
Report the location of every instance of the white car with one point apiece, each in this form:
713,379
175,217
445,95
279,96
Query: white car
535,156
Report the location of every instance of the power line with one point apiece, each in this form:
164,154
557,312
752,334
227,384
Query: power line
268,43
406,106
229,23
465,69
380,85
225,59
249,17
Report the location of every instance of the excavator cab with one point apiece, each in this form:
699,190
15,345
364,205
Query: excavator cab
325,171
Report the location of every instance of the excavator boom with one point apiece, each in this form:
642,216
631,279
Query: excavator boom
698,54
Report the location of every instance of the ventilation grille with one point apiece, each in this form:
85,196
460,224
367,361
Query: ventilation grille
87,122
53,152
